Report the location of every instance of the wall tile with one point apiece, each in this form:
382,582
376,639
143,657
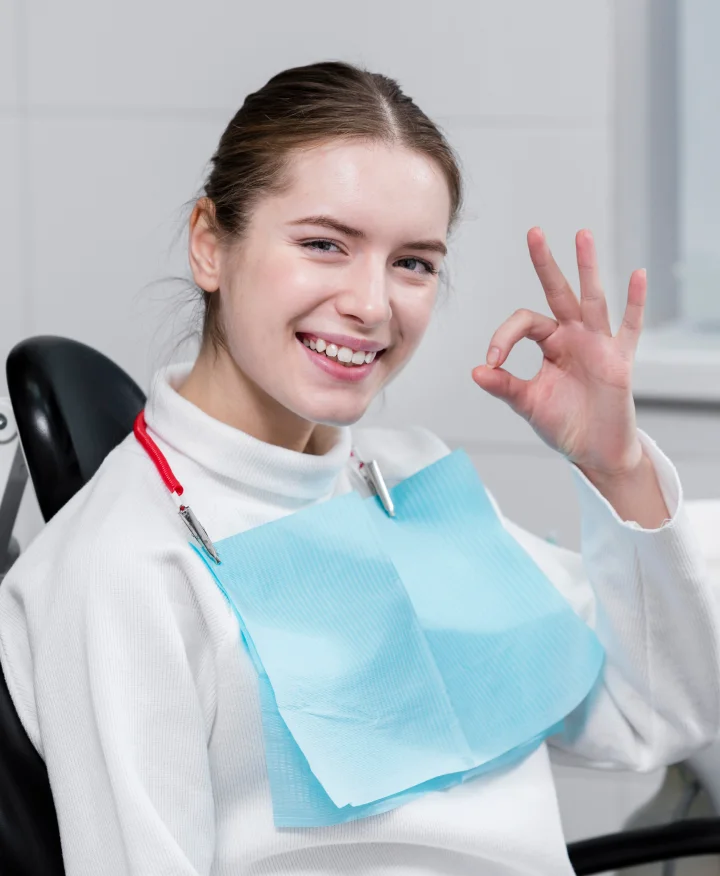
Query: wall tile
456,58
12,305
9,54
107,201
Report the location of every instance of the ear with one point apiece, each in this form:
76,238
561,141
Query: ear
204,247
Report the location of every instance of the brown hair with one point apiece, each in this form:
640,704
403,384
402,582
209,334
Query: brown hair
302,107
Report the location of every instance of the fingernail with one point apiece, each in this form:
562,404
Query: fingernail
493,356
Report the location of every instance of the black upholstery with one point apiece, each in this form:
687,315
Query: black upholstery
72,406
29,837
648,845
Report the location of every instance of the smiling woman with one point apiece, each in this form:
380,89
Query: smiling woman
331,195
326,683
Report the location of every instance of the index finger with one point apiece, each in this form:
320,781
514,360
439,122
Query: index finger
560,297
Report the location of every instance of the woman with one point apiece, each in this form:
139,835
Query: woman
317,246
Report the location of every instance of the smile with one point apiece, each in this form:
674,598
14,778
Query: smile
344,355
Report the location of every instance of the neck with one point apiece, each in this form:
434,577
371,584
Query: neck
220,389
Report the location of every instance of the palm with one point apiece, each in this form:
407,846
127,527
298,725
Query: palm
580,401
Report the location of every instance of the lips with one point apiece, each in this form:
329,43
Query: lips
342,362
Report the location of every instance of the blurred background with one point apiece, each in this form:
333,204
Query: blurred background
565,114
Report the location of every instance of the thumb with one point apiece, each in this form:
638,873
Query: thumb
503,385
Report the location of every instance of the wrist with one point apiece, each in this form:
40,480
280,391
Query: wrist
623,476
633,492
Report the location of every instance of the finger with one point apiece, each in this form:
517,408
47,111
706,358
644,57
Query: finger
522,324
560,296
593,305
505,386
629,332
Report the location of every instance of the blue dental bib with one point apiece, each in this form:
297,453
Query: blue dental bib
400,655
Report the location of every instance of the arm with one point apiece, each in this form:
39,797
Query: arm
647,595
642,578
124,687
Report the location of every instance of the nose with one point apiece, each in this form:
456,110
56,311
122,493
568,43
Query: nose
366,298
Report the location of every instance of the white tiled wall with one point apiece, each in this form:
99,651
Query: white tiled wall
13,306
460,57
8,55
109,111
106,198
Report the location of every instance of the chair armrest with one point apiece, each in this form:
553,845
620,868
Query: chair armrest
665,842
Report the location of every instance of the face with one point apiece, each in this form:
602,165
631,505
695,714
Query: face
330,291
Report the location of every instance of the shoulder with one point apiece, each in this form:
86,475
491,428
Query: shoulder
113,569
111,521
117,545
400,452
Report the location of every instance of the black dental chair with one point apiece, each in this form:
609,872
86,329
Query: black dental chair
73,406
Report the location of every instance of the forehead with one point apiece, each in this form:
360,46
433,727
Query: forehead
377,187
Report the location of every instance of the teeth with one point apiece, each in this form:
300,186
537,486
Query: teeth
342,354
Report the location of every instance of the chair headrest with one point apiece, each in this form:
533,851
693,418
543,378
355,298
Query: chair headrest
73,406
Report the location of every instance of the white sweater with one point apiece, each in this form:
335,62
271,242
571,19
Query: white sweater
125,665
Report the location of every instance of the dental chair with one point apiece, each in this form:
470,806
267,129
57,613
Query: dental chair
73,406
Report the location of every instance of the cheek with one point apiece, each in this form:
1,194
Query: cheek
275,288
412,314
281,286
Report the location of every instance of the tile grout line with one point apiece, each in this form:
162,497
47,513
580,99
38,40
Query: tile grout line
24,170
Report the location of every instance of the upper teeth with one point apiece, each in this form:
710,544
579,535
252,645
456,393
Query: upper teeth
343,354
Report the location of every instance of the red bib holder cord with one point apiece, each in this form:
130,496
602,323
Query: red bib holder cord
173,484
369,472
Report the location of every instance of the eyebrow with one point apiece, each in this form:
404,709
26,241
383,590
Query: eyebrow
335,225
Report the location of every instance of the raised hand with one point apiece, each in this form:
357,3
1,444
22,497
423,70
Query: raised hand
580,401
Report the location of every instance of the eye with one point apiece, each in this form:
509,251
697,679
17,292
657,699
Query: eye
321,245
417,266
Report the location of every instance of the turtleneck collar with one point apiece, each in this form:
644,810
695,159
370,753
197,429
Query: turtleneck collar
235,455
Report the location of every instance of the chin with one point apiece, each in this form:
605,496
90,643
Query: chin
337,419
333,415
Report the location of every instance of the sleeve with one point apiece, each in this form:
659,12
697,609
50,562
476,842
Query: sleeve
125,691
648,595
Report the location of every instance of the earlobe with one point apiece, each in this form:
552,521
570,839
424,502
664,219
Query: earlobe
204,247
